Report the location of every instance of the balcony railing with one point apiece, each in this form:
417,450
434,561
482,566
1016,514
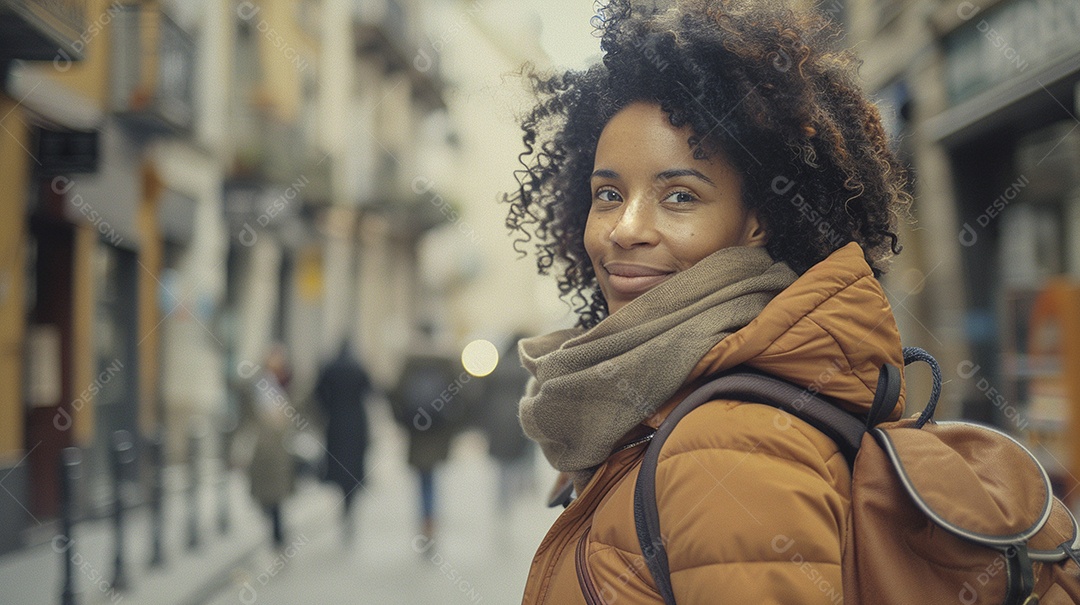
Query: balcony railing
42,30
268,149
275,173
153,70
386,43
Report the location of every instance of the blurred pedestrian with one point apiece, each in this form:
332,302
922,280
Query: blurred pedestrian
428,401
341,390
507,443
270,411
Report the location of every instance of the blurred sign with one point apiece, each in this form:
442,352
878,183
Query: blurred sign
43,365
1017,37
67,151
309,274
1053,387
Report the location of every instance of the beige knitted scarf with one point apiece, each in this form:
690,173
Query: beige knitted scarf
591,387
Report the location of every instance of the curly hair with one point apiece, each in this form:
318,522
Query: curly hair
763,85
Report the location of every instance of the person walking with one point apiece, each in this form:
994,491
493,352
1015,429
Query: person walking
271,469
507,443
716,192
341,390
429,403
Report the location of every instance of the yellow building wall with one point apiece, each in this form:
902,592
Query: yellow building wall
287,55
88,77
150,260
14,168
82,327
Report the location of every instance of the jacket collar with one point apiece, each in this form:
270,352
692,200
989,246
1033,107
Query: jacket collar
830,330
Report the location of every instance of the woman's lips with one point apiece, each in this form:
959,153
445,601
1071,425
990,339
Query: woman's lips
631,280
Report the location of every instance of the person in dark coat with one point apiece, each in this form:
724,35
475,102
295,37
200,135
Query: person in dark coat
507,443
341,390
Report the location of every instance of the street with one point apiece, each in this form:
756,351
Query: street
477,555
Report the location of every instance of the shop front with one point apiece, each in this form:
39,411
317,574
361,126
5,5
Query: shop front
1012,72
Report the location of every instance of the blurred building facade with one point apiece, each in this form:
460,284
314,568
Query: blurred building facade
471,275
982,98
186,183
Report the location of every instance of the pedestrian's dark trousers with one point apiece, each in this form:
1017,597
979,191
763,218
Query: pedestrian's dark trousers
278,528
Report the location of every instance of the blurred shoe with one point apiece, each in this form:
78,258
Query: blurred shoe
427,528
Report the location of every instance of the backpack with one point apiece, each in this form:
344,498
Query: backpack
1006,539
428,394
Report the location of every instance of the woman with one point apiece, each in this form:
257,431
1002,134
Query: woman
718,192
271,469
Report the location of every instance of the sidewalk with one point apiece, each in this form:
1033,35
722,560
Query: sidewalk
34,575
479,556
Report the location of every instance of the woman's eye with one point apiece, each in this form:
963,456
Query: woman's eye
608,195
680,197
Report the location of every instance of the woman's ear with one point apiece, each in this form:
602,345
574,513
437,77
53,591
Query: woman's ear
754,235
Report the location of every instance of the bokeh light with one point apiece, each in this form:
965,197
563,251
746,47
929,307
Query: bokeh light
480,357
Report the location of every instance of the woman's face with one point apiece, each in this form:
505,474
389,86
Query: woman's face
656,210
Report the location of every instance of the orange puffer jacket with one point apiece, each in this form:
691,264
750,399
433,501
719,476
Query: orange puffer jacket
753,504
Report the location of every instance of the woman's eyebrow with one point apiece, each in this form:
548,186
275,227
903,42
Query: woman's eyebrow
667,175
605,173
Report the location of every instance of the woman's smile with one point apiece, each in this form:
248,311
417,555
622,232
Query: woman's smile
627,280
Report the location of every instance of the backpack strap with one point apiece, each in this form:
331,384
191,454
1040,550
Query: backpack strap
916,354
843,428
1021,575
885,396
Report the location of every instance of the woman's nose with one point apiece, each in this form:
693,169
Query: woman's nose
636,224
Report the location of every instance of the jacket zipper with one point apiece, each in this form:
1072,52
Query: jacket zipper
588,588
575,515
581,564
635,443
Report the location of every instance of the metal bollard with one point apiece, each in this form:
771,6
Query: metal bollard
156,450
224,474
194,440
123,455
70,464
